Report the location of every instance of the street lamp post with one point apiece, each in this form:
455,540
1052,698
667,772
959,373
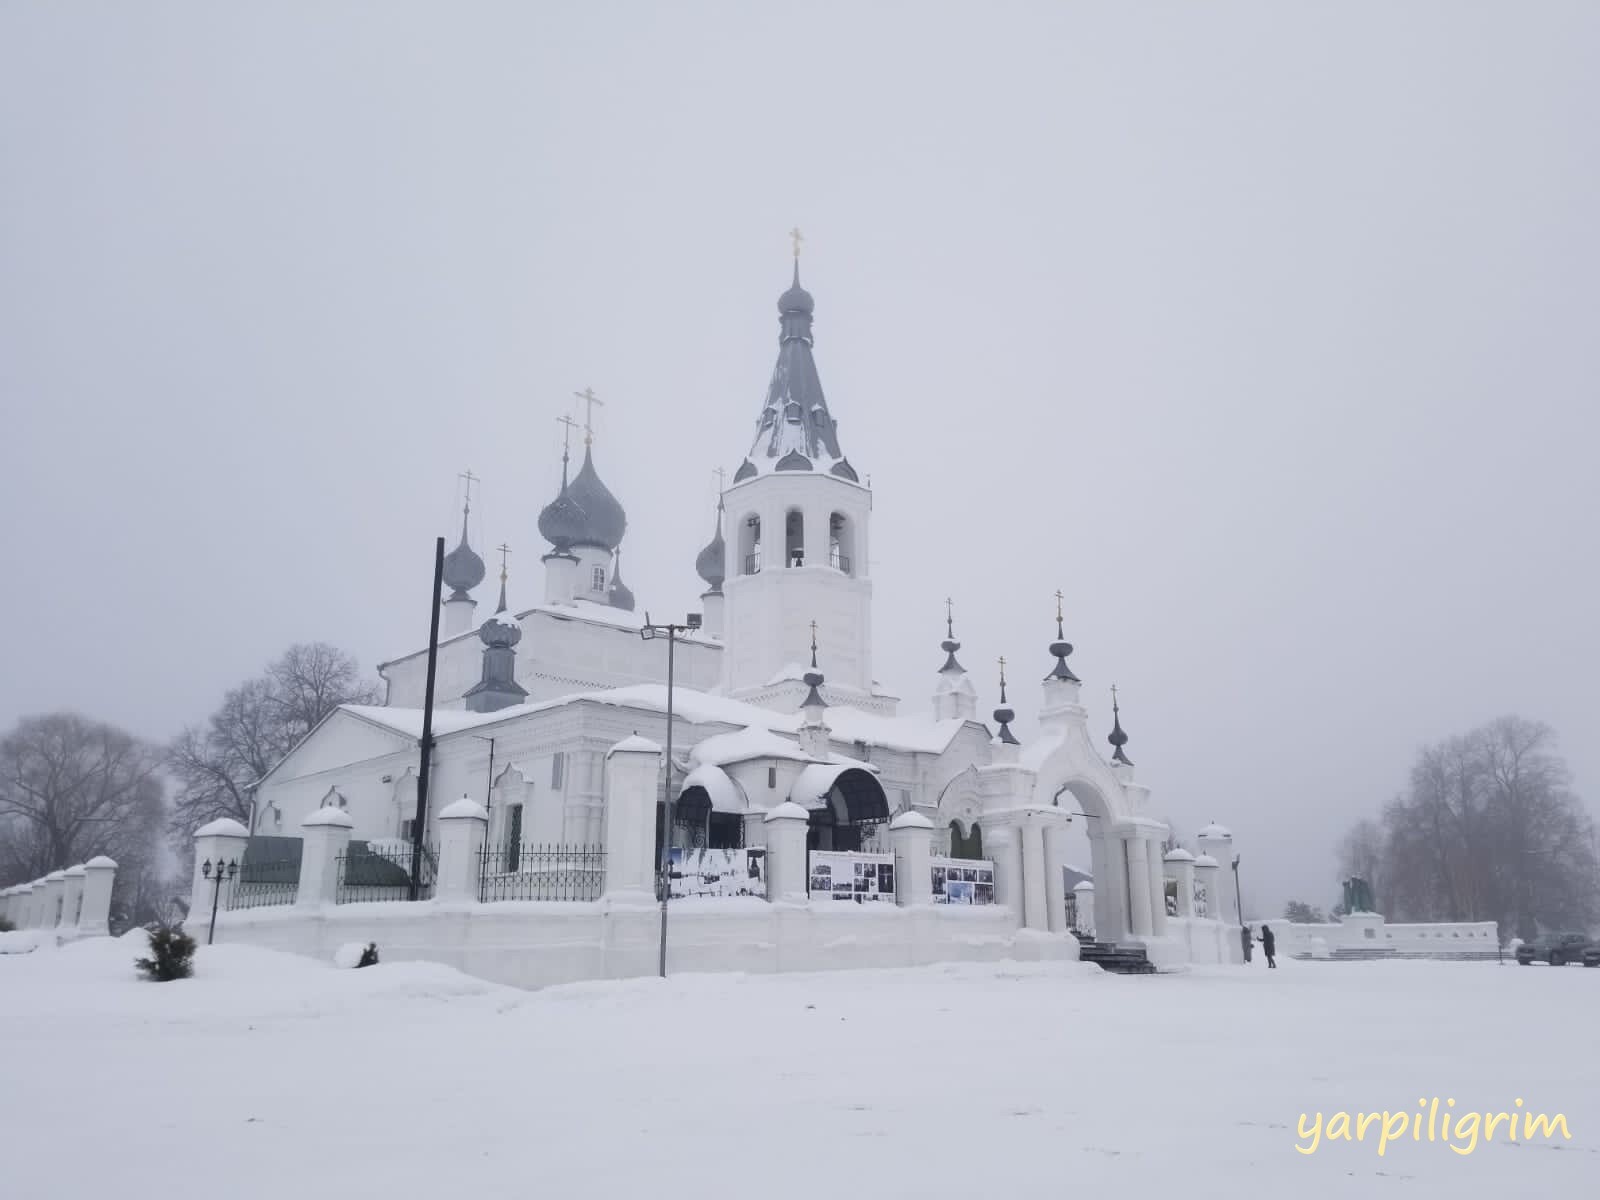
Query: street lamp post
664,865
215,874
1238,896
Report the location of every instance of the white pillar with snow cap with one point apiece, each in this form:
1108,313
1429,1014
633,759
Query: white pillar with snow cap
222,841
463,828
632,787
911,837
1083,890
1217,841
1055,877
99,874
1179,863
787,858
55,886
71,899
1205,887
324,839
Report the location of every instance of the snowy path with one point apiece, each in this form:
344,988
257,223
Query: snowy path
271,1076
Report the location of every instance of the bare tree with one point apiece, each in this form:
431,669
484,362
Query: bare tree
1489,829
217,765
72,788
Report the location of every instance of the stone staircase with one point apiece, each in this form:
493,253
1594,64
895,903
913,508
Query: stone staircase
1123,960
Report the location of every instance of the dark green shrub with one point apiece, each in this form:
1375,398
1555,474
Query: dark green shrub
171,954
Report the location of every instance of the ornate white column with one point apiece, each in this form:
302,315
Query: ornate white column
1137,859
1158,887
1055,882
1002,844
1033,883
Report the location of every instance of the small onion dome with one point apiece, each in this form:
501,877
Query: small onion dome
1005,716
1118,740
950,646
711,563
813,680
1061,671
561,521
794,461
747,470
1216,831
602,521
796,299
844,470
619,595
500,631
463,569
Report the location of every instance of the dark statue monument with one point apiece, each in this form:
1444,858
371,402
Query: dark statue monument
1358,896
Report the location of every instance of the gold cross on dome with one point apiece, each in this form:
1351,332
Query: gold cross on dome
566,435
722,480
1002,670
589,401
504,551
949,617
470,479
796,237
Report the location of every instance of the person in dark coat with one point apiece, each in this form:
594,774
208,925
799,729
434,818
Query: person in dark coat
1269,945
1244,940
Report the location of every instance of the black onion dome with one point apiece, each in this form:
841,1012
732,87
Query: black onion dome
601,519
561,521
711,563
1061,671
1117,737
500,630
813,680
463,569
796,299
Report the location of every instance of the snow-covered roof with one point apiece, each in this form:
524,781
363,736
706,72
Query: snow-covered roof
1178,854
462,809
726,797
634,744
222,827
1214,830
587,611
336,817
922,735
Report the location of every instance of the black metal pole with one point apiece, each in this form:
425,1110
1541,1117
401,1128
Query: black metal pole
666,811
427,719
216,899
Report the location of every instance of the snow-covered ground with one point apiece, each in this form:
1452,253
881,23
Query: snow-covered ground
273,1076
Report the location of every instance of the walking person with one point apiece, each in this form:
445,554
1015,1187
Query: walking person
1269,946
1244,941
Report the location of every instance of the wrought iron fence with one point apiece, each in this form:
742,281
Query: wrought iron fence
265,884
371,871
522,871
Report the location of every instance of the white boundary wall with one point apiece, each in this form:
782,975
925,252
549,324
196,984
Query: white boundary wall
1368,935
540,943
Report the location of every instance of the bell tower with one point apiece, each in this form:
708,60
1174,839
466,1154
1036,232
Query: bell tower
797,533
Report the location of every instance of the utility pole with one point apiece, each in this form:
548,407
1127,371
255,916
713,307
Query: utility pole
427,720
664,866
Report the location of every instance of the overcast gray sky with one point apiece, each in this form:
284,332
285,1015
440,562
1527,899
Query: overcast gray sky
1266,332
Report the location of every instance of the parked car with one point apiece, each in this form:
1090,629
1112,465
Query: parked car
1558,949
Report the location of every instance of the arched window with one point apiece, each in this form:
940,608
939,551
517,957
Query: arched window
794,532
841,548
750,545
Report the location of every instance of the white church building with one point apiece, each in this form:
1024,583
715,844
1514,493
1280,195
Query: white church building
796,781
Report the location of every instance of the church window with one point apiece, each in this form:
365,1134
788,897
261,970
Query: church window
558,765
794,539
513,837
772,777
750,545
791,413
840,549
598,579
